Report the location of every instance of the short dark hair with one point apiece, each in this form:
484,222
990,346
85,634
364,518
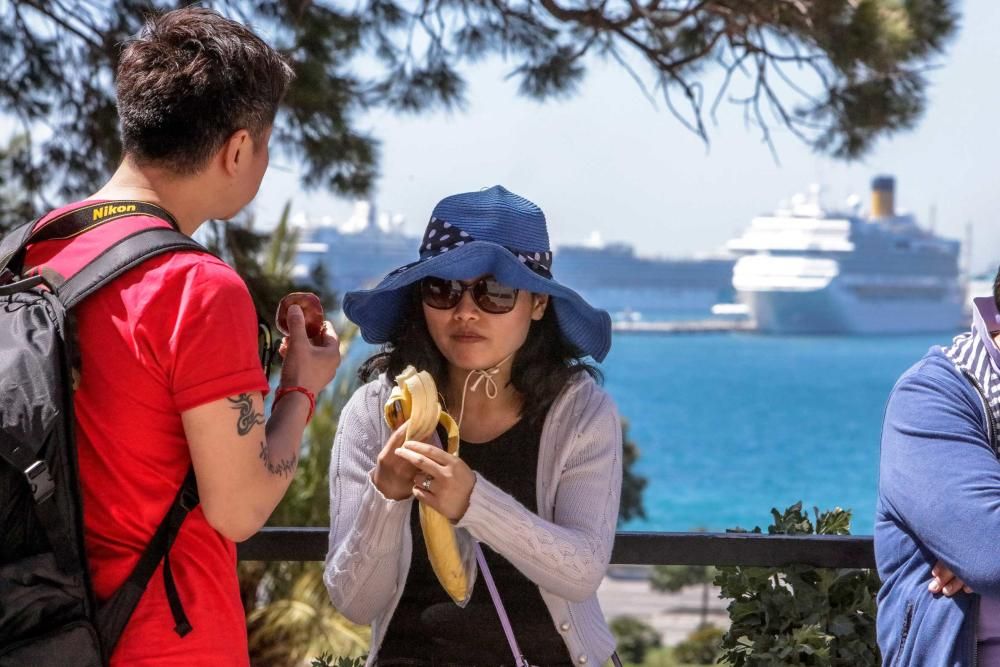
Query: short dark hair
189,80
540,370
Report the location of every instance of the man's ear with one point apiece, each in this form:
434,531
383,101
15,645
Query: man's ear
539,302
236,152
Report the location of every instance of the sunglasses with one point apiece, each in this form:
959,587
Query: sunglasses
489,295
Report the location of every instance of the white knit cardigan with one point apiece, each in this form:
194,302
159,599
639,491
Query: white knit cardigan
564,549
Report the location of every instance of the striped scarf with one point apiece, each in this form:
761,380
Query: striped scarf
969,353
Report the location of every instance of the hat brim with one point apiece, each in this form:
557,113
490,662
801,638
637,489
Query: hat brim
376,311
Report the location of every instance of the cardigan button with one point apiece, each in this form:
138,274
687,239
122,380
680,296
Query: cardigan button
564,627
582,659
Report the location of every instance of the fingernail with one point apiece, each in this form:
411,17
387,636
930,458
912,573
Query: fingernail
933,586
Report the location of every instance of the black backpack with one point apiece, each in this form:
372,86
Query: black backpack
48,614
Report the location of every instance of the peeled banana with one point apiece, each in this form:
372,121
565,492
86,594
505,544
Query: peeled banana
414,400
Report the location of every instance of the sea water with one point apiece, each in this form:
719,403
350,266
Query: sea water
730,425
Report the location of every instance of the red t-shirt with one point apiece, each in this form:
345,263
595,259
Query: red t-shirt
176,332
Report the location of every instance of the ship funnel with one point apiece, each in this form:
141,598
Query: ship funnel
883,195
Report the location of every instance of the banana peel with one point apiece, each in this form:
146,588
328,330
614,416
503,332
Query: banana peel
414,400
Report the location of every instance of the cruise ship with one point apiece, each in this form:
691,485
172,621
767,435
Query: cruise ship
356,253
611,276
359,252
808,270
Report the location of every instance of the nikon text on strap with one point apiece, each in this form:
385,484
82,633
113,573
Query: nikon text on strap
71,223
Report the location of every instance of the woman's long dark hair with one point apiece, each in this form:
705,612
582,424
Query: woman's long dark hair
540,370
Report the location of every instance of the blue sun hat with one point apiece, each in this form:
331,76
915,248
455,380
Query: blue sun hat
494,232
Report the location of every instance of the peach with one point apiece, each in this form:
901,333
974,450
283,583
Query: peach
312,308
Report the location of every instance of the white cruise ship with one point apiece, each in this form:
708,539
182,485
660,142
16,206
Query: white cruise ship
805,269
354,254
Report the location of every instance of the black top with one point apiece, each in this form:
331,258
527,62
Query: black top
427,628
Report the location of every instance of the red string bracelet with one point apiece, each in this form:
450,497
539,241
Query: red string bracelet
281,391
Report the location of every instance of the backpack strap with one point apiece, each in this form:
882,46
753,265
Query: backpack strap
73,222
84,218
36,472
113,616
121,257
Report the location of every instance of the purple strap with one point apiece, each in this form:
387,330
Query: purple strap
519,659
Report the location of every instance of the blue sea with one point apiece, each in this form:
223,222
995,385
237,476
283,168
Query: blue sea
730,425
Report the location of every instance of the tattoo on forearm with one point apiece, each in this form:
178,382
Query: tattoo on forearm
248,416
283,467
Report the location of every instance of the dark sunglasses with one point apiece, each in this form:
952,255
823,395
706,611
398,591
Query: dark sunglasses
488,295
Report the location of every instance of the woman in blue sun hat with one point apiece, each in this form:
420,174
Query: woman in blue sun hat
539,479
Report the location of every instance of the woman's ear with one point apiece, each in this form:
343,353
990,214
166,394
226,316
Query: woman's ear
539,302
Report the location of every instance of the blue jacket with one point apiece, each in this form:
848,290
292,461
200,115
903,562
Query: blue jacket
938,499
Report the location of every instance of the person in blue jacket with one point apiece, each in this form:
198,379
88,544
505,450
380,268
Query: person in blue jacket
937,525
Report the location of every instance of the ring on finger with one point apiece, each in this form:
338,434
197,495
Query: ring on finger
426,484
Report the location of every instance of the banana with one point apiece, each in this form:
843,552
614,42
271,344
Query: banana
415,398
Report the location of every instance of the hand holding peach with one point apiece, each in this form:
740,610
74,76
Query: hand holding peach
310,351
311,307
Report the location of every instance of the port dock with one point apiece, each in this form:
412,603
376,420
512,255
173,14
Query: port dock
683,327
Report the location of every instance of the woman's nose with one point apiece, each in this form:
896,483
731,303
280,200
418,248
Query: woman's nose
466,307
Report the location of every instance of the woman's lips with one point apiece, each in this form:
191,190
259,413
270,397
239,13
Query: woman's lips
466,337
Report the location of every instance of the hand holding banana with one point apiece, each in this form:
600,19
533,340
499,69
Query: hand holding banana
401,469
442,482
451,478
394,477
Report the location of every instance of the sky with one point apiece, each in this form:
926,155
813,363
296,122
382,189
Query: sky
608,160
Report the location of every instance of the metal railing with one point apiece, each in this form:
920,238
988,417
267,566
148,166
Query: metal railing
632,548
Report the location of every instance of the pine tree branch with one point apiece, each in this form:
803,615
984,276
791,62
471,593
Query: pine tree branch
43,8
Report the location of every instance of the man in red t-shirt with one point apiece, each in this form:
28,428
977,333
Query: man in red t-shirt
170,376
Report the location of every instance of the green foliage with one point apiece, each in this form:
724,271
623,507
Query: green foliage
280,257
15,204
294,618
633,484
289,615
327,660
672,578
264,260
701,647
801,615
307,501
633,638
837,73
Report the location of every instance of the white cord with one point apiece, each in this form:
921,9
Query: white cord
481,375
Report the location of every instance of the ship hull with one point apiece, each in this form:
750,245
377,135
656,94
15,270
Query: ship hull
656,300
835,310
